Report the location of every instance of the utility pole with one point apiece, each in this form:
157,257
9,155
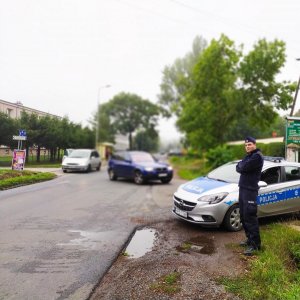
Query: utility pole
296,94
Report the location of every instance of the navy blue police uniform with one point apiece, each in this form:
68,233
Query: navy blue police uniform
250,169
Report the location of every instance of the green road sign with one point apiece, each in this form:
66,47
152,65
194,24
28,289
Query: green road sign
293,131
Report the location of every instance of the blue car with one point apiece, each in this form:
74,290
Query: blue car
139,166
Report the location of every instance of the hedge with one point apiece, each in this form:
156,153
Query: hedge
272,149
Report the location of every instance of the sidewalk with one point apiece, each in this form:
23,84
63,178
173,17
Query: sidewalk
54,170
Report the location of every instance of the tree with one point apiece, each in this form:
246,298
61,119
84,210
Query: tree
146,140
129,112
210,104
54,134
176,78
260,89
49,132
242,128
8,128
106,128
227,88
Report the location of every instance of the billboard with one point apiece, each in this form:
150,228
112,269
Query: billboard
293,131
18,160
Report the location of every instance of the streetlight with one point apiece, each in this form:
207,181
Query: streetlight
97,112
296,94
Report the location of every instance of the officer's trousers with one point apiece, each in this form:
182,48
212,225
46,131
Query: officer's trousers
248,212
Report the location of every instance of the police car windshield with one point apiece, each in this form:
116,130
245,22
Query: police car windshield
226,173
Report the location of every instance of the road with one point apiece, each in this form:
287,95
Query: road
58,238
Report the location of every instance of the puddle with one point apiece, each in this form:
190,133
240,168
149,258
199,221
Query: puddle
88,239
200,244
141,243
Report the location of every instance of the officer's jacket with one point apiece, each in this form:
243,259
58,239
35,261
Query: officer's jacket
250,169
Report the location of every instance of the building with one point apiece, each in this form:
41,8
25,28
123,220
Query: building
15,110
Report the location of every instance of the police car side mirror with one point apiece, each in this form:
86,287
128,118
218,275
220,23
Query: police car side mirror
262,184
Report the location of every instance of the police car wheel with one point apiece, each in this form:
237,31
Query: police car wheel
232,220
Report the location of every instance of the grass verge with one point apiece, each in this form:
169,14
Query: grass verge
11,178
43,165
189,167
5,161
274,273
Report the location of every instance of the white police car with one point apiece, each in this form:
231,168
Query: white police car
213,200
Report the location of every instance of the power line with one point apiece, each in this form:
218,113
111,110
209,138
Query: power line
152,12
220,18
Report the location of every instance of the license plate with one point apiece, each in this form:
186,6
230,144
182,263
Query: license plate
181,212
162,175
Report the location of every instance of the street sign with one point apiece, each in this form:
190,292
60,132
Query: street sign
293,131
19,138
22,132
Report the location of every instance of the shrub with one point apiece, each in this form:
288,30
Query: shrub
272,149
219,156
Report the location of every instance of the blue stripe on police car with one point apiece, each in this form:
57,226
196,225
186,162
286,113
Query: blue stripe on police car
203,184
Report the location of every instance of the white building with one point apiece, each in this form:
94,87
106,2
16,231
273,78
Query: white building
15,110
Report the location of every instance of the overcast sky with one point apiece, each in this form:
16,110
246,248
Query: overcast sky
56,54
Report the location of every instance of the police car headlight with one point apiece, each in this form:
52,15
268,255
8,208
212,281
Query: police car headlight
170,168
214,198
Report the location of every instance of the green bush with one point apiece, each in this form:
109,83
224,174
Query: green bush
238,151
272,149
219,156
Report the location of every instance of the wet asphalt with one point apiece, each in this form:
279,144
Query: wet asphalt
58,238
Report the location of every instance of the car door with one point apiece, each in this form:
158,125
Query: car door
128,166
271,197
117,163
292,180
95,159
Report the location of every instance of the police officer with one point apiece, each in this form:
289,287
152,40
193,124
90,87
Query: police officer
250,169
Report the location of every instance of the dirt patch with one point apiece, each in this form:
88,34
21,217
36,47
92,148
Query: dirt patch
184,263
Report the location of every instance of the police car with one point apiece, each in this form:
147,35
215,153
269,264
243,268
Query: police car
213,200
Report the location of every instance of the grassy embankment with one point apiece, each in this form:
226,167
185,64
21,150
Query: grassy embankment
274,272
12,178
188,167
